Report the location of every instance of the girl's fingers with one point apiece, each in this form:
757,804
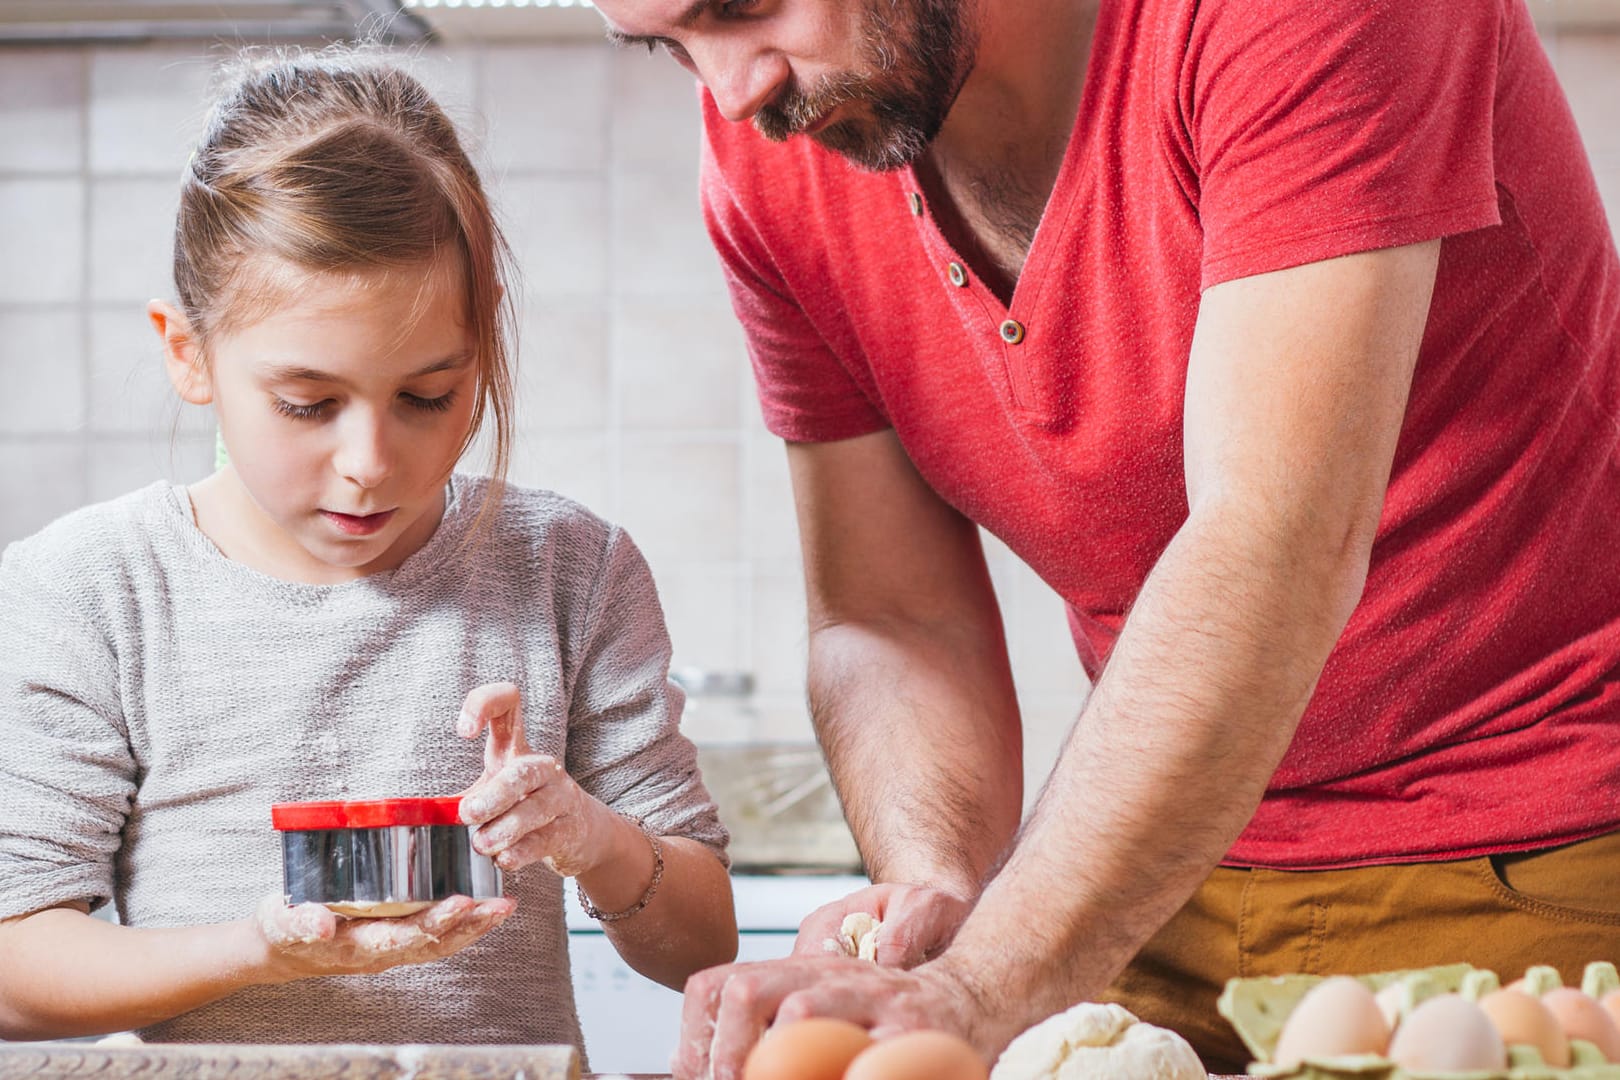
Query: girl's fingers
507,786
523,820
283,925
533,848
497,708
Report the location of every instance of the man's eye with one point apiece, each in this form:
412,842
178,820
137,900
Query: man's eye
302,412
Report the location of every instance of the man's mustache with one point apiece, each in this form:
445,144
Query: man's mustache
796,110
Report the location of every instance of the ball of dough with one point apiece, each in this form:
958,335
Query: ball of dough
1098,1042
857,936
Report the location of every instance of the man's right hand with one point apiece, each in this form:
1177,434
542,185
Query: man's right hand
308,940
918,923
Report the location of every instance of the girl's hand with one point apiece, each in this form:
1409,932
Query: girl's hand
526,808
309,940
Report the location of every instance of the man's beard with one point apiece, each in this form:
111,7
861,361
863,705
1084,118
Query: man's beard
913,80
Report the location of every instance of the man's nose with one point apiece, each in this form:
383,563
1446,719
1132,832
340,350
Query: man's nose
741,77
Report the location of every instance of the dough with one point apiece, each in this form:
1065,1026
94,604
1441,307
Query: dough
857,936
378,909
1098,1042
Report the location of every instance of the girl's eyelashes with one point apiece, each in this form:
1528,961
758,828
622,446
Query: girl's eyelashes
441,403
320,409
301,412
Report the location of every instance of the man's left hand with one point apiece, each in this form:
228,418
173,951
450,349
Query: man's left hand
728,1008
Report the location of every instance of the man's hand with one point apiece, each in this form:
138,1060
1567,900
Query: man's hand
918,923
526,808
308,940
728,1008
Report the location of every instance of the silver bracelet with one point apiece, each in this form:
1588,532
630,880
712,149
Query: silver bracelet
658,875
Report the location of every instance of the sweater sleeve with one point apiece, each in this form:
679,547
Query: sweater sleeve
625,746
67,775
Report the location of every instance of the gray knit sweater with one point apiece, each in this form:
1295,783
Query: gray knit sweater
156,698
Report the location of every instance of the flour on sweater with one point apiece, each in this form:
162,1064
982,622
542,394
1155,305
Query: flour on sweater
156,698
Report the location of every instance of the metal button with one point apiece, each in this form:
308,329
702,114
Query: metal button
916,204
1012,331
958,275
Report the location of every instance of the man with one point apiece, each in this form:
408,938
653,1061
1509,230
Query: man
1283,341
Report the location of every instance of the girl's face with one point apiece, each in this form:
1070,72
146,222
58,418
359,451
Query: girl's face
343,411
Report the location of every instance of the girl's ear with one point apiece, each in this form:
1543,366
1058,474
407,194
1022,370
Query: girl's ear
182,356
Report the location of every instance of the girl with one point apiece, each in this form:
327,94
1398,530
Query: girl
335,615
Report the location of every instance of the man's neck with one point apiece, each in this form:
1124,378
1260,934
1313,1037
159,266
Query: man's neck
1027,75
996,160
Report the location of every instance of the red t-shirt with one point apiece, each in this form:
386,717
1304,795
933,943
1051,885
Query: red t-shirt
1473,702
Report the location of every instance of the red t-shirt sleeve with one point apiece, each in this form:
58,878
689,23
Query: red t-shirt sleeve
1326,128
805,392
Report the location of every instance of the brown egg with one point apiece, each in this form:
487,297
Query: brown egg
1338,1016
919,1055
1582,1017
816,1049
1520,1018
1611,1005
1448,1033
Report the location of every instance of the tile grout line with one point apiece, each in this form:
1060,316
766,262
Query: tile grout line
86,60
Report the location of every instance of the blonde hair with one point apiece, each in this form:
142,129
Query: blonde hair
340,161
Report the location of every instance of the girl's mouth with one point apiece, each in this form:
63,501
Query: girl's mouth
356,524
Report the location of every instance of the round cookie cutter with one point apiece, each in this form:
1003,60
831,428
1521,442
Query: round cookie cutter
380,858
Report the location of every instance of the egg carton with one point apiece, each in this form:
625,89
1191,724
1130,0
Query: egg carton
1257,1009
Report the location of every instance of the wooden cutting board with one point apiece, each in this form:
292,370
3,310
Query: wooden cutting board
187,1061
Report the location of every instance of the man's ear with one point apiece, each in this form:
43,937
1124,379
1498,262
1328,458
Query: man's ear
182,355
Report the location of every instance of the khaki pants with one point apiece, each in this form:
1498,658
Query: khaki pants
1558,906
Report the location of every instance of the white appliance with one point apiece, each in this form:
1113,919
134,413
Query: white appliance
631,1023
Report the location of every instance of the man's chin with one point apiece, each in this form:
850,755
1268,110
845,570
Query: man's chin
866,151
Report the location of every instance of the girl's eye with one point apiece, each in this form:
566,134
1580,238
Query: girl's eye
438,404
302,412
731,9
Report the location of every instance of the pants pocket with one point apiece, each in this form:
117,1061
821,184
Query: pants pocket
1577,882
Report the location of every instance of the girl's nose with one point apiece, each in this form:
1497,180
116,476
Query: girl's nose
363,457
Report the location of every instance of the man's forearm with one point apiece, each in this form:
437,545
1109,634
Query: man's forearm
1167,764
921,731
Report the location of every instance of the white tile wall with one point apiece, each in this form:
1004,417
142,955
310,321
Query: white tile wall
146,108
42,226
580,466
132,238
129,392
120,464
634,392
656,125
547,107
42,97
40,480
660,247
557,226
42,369
676,361
679,497
1588,65
565,383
